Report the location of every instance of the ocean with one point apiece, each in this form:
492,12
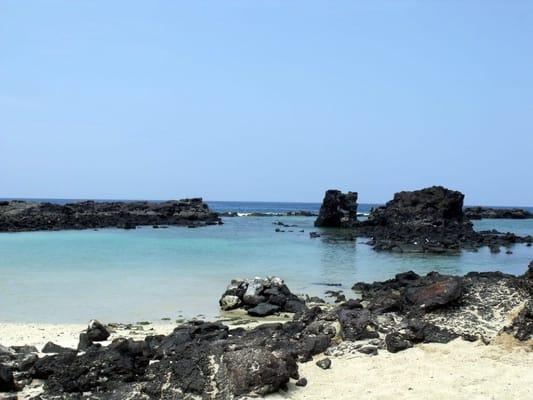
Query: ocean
147,274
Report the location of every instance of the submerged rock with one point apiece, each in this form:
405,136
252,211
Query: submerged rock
338,210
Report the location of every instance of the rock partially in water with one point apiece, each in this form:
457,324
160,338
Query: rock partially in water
261,297
16,216
429,220
338,210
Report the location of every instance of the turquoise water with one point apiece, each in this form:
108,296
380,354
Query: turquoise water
148,274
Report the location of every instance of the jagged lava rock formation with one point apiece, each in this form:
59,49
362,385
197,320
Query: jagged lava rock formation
16,216
338,210
428,220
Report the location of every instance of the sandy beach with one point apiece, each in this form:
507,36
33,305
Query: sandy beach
458,370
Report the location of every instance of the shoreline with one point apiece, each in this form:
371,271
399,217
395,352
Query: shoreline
459,369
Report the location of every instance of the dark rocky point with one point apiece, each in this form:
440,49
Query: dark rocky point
430,220
16,216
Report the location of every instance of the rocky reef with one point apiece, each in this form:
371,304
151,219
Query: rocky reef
210,360
338,210
496,213
16,216
429,220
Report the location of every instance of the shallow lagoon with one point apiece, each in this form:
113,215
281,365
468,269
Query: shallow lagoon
148,274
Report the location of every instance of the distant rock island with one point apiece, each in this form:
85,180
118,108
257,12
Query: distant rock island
338,210
429,220
17,216
497,213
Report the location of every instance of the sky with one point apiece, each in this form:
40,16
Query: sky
266,100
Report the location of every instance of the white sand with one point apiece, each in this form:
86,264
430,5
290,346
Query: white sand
457,370
17,334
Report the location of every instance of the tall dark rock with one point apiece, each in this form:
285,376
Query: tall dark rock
338,210
433,206
426,220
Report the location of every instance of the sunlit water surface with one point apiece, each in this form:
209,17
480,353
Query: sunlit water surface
148,274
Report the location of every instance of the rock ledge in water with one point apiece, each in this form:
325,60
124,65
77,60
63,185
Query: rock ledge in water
338,210
16,216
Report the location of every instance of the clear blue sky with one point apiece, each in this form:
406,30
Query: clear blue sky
266,100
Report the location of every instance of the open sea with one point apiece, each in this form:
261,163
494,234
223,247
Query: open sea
120,275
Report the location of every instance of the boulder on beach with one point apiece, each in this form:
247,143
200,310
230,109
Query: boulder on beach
96,331
338,210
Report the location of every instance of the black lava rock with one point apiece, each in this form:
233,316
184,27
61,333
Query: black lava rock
325,363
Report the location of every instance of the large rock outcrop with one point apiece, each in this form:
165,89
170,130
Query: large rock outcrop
338,210
18,216
428,220
197,360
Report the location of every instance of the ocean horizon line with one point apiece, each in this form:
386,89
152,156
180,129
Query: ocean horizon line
63,200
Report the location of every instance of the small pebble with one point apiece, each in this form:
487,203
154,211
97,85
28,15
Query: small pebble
301,382
325,363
